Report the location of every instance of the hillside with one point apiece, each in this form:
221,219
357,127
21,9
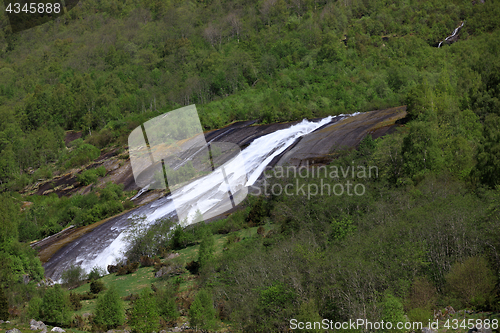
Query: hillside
423,235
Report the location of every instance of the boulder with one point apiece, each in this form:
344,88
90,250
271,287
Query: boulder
172,256
14,330
57,329
37,325
167,271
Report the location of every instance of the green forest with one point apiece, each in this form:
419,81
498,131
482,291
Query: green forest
424,236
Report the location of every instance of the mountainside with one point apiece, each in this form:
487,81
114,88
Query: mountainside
396,230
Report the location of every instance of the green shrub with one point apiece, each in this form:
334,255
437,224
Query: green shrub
393,311
55,308
96,273
75,301
96,286
80,155
87,177
100,171
109,311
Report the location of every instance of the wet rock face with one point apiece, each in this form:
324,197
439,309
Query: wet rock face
321,145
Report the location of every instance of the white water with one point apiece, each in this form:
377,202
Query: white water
206,193
453,34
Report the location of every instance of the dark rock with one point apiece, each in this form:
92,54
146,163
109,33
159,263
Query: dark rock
320,146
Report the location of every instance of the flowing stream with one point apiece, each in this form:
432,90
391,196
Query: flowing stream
452,35
106,244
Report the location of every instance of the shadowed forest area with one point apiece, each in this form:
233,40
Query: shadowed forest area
424,235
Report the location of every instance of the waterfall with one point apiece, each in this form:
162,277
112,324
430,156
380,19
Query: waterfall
453,34
101,249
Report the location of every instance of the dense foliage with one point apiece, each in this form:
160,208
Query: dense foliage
109,311
405,247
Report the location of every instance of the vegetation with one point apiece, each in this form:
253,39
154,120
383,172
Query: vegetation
4,306
109,311
424,235
55,307
144,317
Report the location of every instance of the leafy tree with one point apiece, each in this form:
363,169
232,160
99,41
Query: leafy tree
9,218
109,312
144,317
55,308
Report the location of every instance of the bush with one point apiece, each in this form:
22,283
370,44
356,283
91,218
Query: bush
55,308
87,177
75,301
80,155
471,282
181,239
96,273
96,286
73,277
109,311
147,261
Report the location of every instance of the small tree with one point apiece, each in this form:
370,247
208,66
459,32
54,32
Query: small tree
144,316
202,311
308,312
55,308
109,311
73,276
206,250
165,300
4,305
393,311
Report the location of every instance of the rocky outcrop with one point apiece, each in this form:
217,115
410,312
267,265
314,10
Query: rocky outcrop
321,146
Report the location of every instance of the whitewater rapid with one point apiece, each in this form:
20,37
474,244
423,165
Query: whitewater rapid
207,192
